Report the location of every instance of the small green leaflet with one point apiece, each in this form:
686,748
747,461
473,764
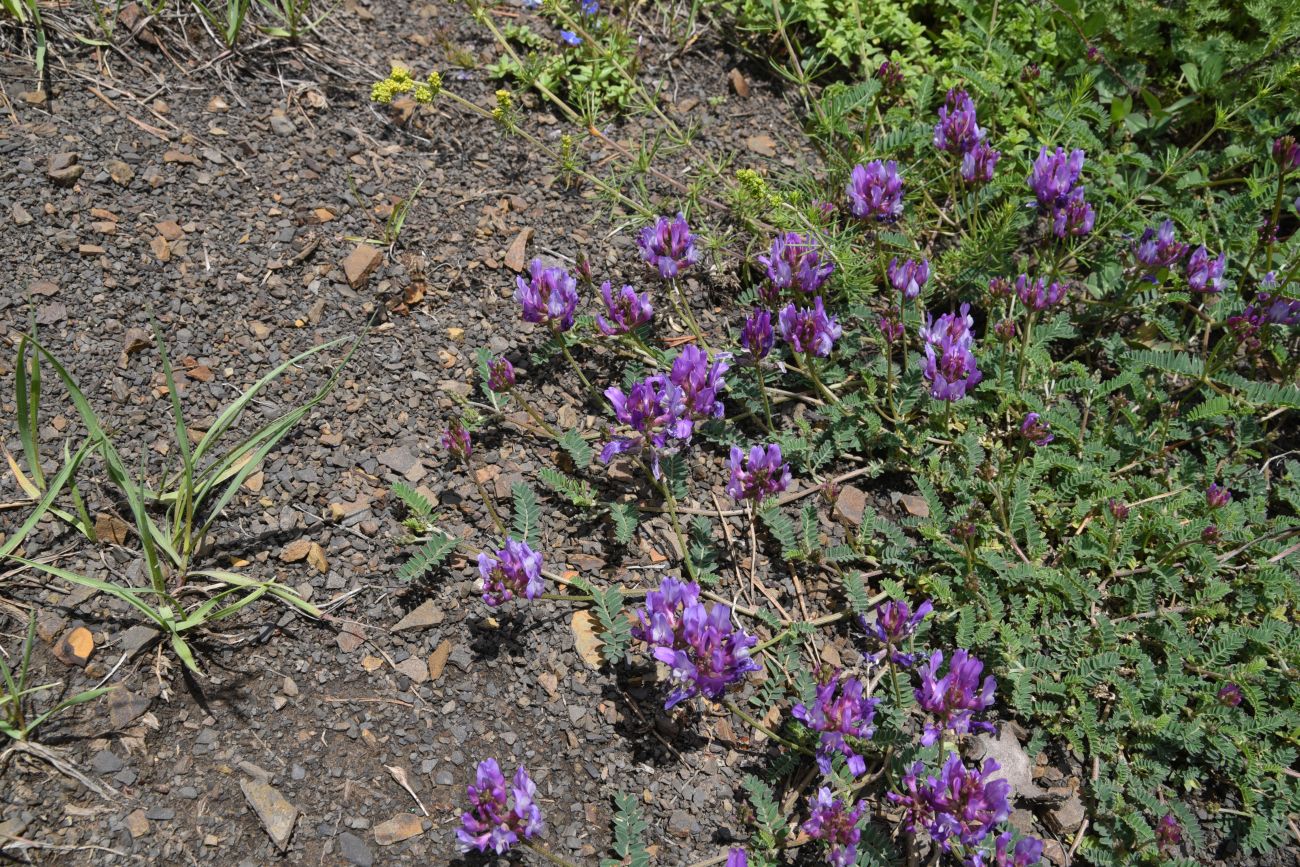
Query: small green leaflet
528,514
417,503
429,555
625,520
629,835
573,443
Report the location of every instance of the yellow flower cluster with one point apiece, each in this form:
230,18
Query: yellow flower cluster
504,111
400,81
756,188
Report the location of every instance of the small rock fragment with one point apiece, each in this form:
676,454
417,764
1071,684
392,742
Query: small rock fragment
137,825
401,827
413,668
438,659
274,811
421,617
75,647
850,506
355,851
64,170
517,255
361,263
20,215
121,173
296,550
738,83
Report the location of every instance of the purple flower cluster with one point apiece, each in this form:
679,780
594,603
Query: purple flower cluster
455,439
810,330
839,711
891,325
756,336
1286,151
1169,834
1035,430
515,570
1055,182
1277,310
1037,295
759,474
875,191
501,374
1027,852
1205,275
548,295
492,822
895,623
627,310
1217,496
795,262
953,700
1229,695
700,381
832,821
655,409
958,133
909,276
960,805
950,355
704,652
669,246
1159,249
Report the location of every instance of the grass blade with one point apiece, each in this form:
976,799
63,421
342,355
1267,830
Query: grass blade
126,594
11,544
27,394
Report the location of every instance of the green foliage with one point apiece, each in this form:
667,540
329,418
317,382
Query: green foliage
625,516
616,629
427,557
578,448
527,516
16,718
629,834
577,491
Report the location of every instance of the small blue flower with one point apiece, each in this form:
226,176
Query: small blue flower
570,38
590,7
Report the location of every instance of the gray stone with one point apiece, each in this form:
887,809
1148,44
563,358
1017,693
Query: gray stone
355,851
274,811
105,762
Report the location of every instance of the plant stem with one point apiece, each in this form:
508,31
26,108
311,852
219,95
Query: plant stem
532,413
666,488
1277,211
809,367
591,389
1024,351
487,501
762,392
685,311
539,849
759,727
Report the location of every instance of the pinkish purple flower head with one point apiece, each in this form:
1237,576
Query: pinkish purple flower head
1075,217
1027,852
501,374
1119,509
493,822
655,410
979,163
1000,287
809,330
700,381
758,475
515,570
909,276
455,439
890,76
1054,176
895,623
756,336
627,310
1037,295
950,355
1035,430
795,262
737,858
548,295
669,246
961,805
875,191
1158,249
1217,496
1005,330
839,711
1169,834
1286,151
1230,695
834,823
708,654
1210,535
1205,275
954,699
891,325
957,132
1276,310
659,622
823,209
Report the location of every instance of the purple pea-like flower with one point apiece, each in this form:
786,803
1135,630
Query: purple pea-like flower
1205,275
1159,249
1286,151
1000,287
549,295
795,262
839,711
515,570
493,822
979,163
890,76
875,191
1210,535
627,310
758,475
950,355
894,624
953,700
1075,217
1217,496
891,325
737,858
655,409
1054,176
1035,430
1035,294
757,336
960,805
833,822
709,654
669,246
1005,330
1270,308
455,439
809,330
1169,834
659,621
957,132
700,381
1027,852
1119,510
1230,695
501,374
909,276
